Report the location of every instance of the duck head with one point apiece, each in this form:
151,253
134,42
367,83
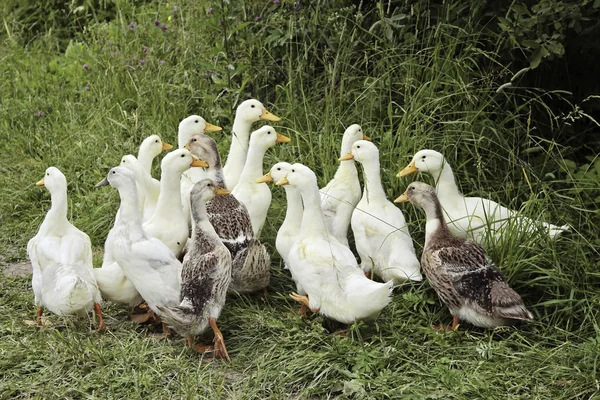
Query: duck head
180,160
424,161
362,151
193,125
118,177
266,137
299,176
418,193
253,110
206,190
53,180
205,148
153,145
277,172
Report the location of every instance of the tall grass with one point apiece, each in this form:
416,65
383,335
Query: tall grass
434,84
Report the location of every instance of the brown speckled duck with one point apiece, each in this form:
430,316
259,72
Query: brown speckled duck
230,218
460,271
205,276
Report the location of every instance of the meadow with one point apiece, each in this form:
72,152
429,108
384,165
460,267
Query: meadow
414,76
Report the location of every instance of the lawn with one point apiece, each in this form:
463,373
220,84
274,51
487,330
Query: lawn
82,97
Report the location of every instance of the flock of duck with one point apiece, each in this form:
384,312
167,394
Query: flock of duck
225,208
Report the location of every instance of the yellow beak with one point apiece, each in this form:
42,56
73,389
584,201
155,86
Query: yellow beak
410,169
166,146
267,116
220,191
346,157
198,163
212,128
266,178
40,182
282,181
402,198
282,139
365,137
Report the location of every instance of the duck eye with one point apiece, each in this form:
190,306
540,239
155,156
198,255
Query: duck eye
422,158
183,155
114,172
178,243
193,140
293,170
47,173
156,141
358,147
252,106
196,121
268,133
278,169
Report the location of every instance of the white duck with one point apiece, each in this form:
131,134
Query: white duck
146,261
188,127
246,114
150,148
326,269
148,188
256,196
61,257
471,217
168,223
342,193
382,237
290,228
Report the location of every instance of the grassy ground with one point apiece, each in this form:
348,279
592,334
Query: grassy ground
320,70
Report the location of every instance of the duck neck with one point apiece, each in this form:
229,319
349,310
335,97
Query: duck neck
253,168
293,214
445,186
145,159
435,219
215,172
56,218
313,223
239,144
205,235
373,189
169,198
129,212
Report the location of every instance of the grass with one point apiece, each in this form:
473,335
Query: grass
435,85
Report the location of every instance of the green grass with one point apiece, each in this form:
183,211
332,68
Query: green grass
320,69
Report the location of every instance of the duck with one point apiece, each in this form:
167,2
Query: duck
290,228
150,148
148,188
342,193
188,127
205,277
146,261
382,237
257,196
461,273
61,257
168,223
250,259
246,114
326,269
480,219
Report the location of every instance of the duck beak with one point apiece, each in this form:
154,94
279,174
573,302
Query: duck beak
266,178
365,137
198,163
267,116
410,169
212,128
103,182
346,157
282,181
187,146
166,146
403,198
40,182
220,191
282,139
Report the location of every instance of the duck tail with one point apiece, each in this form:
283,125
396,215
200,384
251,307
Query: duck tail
369,297
181,318
72,295
515,312
554,230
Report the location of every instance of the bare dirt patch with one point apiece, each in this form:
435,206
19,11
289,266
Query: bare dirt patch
16,269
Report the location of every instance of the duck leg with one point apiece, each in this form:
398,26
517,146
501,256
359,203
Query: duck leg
303,300
200,348
220,349
98,311
38,318
446,328
167,331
